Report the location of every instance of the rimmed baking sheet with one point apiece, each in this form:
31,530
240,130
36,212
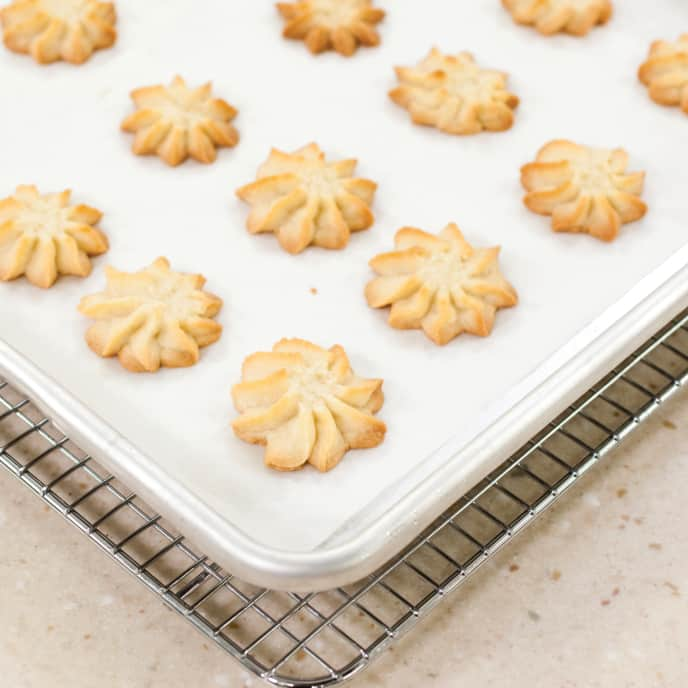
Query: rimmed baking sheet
60,128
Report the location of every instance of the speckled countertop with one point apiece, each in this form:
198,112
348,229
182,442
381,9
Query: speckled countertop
594,594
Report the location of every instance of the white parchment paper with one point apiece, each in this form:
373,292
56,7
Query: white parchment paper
60,128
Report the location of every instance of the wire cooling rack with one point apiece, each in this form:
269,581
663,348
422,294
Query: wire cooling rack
321,639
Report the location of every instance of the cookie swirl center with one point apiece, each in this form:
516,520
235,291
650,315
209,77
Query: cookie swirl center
312,383
595,174
318,179
335,13
443,269
43,218
67,10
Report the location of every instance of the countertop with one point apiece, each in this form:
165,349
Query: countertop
595,593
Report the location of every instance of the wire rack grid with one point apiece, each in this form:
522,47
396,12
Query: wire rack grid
322,639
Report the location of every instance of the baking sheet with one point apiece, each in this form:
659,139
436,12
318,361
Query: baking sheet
60,129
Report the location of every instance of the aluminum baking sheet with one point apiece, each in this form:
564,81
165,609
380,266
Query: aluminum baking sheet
452,412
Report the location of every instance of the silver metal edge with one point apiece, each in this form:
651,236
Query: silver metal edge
634,319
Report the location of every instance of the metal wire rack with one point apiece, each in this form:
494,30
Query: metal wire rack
321,639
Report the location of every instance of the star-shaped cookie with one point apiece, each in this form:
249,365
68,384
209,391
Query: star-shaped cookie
43,236
576,17
152,318
306,405
439,284
52,30
454,94
341,25
584,189
665,72
176,122
306,200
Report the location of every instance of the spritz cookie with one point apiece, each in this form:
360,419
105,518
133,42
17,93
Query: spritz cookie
440,284
340,25
152,318
52,30
306,405
665,72
576,17
175,122
43,236
306,200
455,95
584,189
